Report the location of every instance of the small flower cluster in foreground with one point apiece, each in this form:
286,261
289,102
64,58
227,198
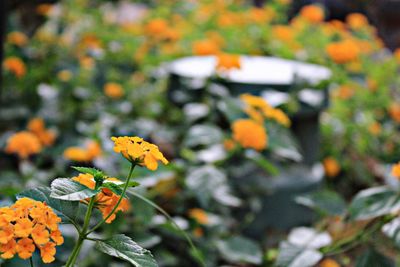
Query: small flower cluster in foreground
135,149
105,200
27,225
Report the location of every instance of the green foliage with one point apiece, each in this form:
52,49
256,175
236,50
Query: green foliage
240,250
374,202
125,248
66,189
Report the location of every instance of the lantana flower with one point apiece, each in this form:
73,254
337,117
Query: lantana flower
135,149
250,134
91,151
37,127
258,109
27,225
106,200
15,65
24,144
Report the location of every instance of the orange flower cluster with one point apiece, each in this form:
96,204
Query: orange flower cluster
199,215
227,62
135,149
396,170
312,13
27,225
331,166
258,109
205,47
249,134
159,29
113,90
15,65
344,51
356,21
329,263
106,200
394,112
261,15
91,151
283,33
24,144
17,38
27,143
37,127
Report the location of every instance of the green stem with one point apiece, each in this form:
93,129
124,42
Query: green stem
188,239
31,261
82,234
350,243
116,205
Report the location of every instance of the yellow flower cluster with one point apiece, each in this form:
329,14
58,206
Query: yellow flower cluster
106,200
91,151
27,225
258,109
135,149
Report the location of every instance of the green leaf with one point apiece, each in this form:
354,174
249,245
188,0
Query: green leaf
66,210
113,187
325,202
373,258
66,189
203,135
374,202
291,255
125,248
208,183
392,230
240,250
93,171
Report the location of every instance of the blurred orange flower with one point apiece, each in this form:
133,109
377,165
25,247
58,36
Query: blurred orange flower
228,62
199,215
394,112
343,51
356,21
17,38
23,144
91,151
396,170
250,134
331,166
205,47
15,65
329,263
37,127
113,90
312,13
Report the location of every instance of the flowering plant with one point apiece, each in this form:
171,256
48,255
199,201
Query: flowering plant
32,221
